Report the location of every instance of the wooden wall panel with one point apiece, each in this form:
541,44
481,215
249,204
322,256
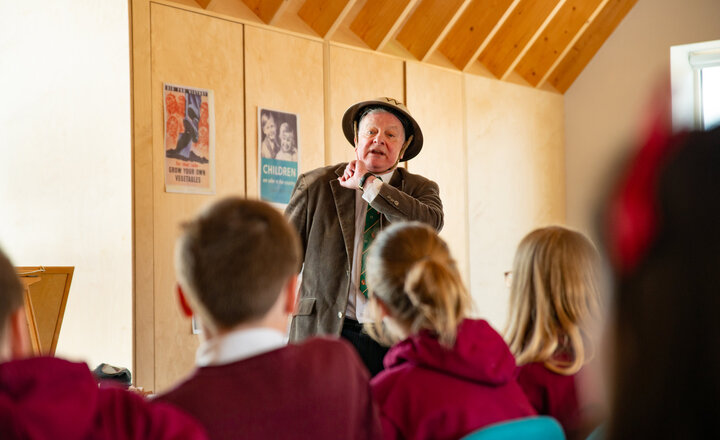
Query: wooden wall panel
434,97
323,15
356,75
193,50
143,257
516,179
285,73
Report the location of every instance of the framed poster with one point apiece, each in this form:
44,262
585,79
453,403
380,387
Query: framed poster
278,153
189,119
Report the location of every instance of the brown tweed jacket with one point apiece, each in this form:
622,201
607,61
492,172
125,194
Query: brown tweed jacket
324,214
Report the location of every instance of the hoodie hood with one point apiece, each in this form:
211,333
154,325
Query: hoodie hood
62,395
480,354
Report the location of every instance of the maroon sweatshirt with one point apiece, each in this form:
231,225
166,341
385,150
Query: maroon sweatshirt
554,395
428,391
50,398
318,389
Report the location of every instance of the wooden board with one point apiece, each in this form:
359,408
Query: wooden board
48,287
190,49
428,24
435,97
589,43
270,83
516,179
551,44
467,37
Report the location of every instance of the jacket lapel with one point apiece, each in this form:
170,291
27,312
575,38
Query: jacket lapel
345,207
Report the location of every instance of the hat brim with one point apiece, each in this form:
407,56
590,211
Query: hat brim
354,110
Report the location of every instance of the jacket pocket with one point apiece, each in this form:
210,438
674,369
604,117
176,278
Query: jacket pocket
306,306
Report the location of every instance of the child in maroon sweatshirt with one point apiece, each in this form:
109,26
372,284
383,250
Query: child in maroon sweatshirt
237,265
50,398
446,375
554,300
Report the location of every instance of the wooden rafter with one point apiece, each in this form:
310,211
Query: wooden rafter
467,37
558,34
511,40
203,3
589,43
323,16
431,21
378,20
266,10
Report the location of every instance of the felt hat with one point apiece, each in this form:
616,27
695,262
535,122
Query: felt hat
351,114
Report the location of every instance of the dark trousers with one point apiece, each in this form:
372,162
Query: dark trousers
370,352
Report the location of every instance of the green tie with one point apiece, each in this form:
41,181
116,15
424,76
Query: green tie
372,226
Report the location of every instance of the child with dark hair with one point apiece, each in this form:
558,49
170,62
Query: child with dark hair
663,238
46,397
446,375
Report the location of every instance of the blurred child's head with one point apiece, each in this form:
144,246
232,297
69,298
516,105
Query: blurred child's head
13,337
234,260
414,279
663,238
554,299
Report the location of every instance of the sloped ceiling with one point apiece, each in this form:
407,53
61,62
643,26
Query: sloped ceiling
539,43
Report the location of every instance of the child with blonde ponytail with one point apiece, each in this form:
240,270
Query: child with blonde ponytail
445,375
554,305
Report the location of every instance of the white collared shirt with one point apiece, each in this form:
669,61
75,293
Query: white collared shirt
356,300
238,345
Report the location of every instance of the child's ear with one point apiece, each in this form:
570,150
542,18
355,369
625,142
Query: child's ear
20,346
290,294
184,306
384,311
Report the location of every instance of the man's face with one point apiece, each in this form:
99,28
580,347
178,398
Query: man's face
379,140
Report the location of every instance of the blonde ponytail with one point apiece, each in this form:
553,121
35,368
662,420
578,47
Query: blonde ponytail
411,272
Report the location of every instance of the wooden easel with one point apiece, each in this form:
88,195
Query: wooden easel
46,292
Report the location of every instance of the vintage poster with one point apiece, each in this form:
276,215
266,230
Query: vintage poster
278,153
189,140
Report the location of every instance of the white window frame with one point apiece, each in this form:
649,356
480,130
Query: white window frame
686,63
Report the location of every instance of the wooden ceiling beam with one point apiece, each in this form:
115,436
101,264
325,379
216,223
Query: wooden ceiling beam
513,38
556,37
324,16
430,22
378,20
582,51
473,29
266,10
203,3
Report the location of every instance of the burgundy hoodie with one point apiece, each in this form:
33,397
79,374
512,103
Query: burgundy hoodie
50,398
428,391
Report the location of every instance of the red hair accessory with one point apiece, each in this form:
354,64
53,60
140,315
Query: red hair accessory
633,214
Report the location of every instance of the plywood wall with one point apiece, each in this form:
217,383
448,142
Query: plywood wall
185,51
276,63
356,75
516,182
435,96
495,149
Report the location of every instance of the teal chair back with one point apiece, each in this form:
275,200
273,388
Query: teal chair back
536,428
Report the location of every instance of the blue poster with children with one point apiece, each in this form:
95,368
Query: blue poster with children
278,151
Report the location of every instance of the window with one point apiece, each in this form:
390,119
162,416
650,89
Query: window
710,86
695,72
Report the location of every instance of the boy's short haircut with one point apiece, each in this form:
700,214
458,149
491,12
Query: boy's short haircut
234,258
11,291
